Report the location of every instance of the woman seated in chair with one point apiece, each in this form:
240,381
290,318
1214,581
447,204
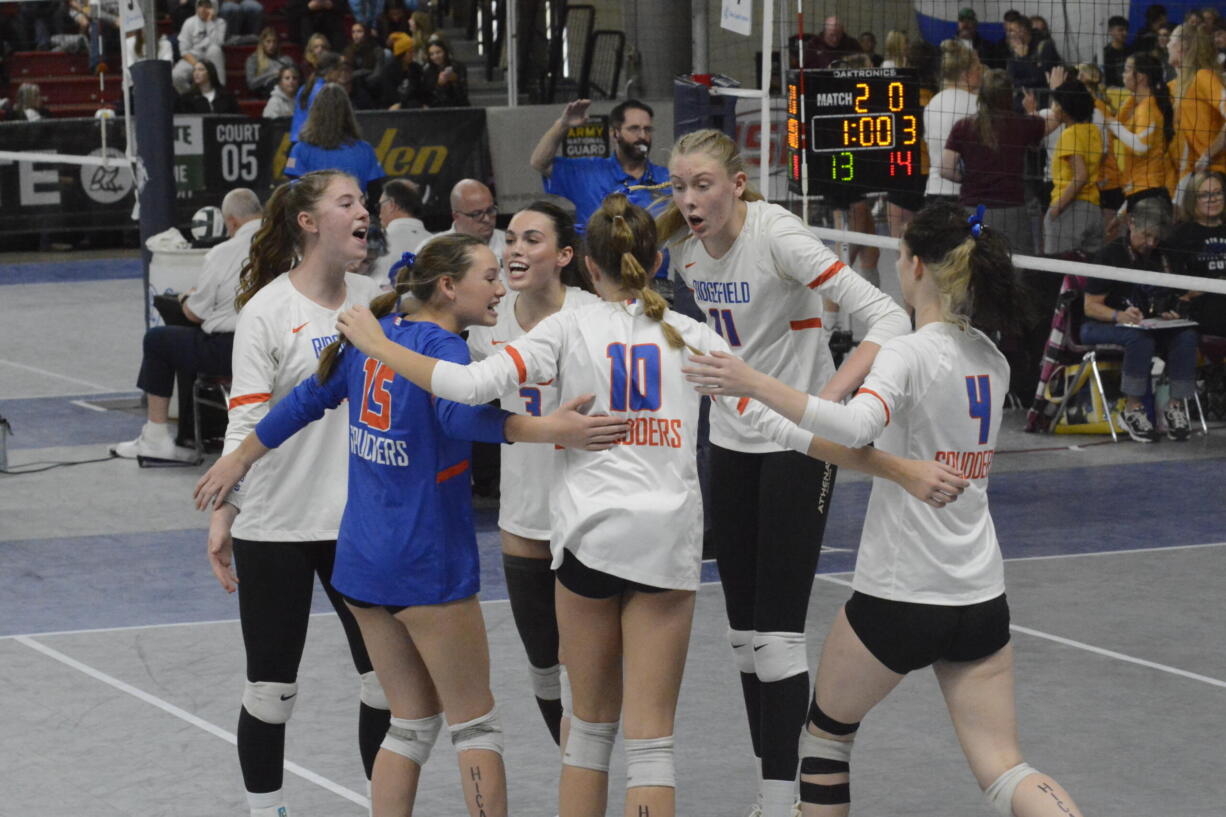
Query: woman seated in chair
1115,309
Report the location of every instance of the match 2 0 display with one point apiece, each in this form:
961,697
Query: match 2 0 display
856,128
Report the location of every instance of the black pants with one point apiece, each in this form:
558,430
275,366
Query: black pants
181,352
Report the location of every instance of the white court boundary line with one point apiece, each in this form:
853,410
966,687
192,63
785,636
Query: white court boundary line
47,373
184,715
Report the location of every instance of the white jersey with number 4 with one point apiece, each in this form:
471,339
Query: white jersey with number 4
527,470
764,296
934,394
633,511
295,493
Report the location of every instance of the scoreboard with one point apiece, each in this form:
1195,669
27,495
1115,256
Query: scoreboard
858,128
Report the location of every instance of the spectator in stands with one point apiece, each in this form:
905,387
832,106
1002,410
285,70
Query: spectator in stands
1110,186
1039,27
1200,106
832,45
896,45
327,70
172,352
961,73
400,211
243,18
474,213
1155,19
327,17
1108,304
968,35
265,64
1115,51
180,12
99,24
367,58
201,38
281,101
315,48
421,29
1144,130
868,44
331,139
38,21
1029,58
28,106
986,153
1198,247
366,13
1219,40
444,82
1073,220
586,181
359,97
395,19
402,76
207,94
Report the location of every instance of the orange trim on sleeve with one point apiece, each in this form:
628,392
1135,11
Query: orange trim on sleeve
807,323
741,405
448,473
884,405
520,368
827,275
248,399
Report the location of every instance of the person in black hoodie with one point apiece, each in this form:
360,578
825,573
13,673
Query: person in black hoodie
207,94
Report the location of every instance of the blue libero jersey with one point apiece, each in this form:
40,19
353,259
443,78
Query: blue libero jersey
406,537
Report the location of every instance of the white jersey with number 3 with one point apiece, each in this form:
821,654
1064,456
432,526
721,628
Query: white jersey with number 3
934,394
764,296
633,511
527,470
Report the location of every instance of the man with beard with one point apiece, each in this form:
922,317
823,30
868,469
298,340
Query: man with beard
587,181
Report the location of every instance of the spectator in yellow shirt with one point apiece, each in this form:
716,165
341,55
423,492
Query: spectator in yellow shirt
1200,104
1073,220
1144,130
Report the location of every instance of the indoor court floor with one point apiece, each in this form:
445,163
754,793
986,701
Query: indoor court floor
121,662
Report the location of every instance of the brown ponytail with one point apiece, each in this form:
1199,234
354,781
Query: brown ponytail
622,242
276,246
446,256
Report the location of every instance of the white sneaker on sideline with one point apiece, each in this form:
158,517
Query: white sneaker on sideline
756,810
155,443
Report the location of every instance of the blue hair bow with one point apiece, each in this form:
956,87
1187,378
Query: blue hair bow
976,221
408,259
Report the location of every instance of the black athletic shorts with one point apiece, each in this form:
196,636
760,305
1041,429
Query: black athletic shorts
1111,199
906,636
912,200
582,580
843,196
366,605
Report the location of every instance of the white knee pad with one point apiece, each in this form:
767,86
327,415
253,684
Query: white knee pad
649,762
777,656
589,745
372,692
1000,793
484,732
413,738
820,755
568,701
270,701
546,683
742,650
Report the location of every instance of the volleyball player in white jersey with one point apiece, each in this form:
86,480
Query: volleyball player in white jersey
760,276
929,586
291,503
627,524
540,265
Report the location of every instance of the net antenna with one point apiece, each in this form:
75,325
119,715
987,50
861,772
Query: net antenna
131,20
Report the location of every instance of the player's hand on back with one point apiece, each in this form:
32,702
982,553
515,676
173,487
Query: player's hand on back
931,482
361,328
721,373
218,481
574,429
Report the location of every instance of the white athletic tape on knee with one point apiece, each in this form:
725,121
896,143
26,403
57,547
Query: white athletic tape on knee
270,701
812,745
484,732
649,762
568,701
742,649
413,738
1000,793
546,683
372,693
777,656
589,745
